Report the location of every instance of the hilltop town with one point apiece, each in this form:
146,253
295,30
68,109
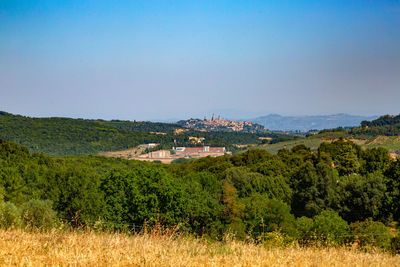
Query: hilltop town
222,124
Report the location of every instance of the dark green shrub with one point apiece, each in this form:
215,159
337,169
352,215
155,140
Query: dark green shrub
395,245
329,227
247,183
305,230
263,215
10,215
39,214
180,160
314,188
361,196
370,233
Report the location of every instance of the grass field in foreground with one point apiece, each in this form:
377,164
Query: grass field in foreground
21,248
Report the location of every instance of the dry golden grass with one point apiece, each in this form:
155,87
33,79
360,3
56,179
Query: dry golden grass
22,248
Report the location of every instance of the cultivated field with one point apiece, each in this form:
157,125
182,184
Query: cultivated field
391,143
21,248
311,142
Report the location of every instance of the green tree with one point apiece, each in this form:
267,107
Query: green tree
113,185
391,208
361,197
375,159
314,189
247,182
233,210
370,233
39,214
345,155
331,228
305,230
10,215
262,215
203,206
13,185
77,196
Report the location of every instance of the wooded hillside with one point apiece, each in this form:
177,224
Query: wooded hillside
336,194
66,136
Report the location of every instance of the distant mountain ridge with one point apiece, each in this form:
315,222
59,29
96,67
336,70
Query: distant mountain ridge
305,123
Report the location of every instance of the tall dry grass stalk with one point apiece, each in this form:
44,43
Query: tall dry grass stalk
88,248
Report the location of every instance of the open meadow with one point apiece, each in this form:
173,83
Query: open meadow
391,143
87,248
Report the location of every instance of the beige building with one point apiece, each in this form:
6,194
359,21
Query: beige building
165,156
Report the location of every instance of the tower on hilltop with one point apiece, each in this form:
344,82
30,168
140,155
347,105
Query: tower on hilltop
213,117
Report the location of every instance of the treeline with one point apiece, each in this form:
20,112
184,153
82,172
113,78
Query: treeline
337,194
68,137
385,125
387,130
65,136
382,121
143,126
241,138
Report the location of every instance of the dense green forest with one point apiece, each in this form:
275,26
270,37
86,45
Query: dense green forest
66,137
386,125
382,121
143,126
337,194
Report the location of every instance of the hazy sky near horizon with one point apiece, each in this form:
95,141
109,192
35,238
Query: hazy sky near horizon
153,60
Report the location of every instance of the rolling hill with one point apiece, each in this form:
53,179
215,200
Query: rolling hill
382,132
66,137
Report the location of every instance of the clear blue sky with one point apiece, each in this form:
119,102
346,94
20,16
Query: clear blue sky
178,59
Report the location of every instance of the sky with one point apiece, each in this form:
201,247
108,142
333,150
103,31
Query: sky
161,60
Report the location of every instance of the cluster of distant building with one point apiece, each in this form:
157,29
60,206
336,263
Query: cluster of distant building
216,123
